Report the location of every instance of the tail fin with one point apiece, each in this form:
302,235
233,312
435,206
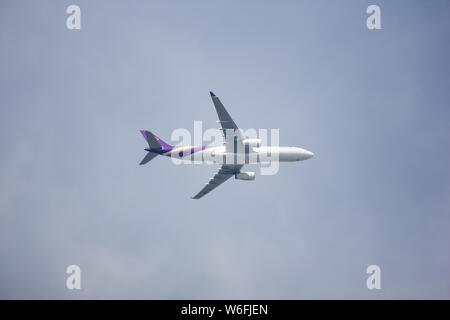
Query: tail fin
156,146
154,142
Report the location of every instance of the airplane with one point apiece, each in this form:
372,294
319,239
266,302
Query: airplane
236,151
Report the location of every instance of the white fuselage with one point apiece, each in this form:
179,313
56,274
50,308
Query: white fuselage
253,155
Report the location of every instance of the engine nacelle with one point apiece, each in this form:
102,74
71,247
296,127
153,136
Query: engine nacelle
252,142
249,176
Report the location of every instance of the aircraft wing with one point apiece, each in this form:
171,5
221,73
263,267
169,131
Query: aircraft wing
228,126
225,172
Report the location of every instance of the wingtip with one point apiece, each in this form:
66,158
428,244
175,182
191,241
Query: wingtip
212,94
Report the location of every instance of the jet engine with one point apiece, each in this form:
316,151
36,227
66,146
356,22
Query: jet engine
252,142
249,176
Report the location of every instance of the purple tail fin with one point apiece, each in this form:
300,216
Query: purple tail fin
155,142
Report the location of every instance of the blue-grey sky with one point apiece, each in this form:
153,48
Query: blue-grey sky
373,105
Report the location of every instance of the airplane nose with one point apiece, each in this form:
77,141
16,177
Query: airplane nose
308,154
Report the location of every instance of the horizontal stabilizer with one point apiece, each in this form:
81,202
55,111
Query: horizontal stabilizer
148,157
